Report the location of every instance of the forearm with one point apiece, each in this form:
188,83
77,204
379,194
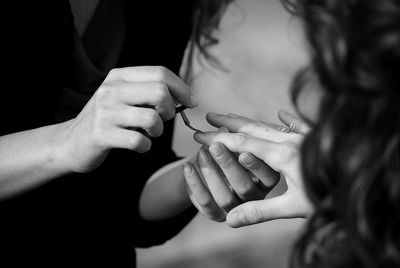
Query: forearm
164,195
29,159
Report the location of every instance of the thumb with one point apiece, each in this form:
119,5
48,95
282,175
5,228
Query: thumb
281,207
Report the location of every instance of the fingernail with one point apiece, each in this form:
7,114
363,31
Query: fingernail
212,114
246,160
193,101
231,115
233,218
197,136
216,150
187,168
203,157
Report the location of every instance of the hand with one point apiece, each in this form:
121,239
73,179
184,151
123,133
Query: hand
129,100
221,183
278,149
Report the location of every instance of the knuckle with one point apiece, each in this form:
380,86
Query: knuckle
161,72
97,136
104,95
151,118
139,143
255,215
241,139
161,92
169,114
113,72
100,117
134,142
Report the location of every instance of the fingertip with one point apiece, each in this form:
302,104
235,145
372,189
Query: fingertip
193,101
233,219
188,168
282,114
211,114
216,150
246,159
199,137
145,148
196,136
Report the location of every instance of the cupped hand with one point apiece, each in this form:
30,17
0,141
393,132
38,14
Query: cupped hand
126,110
277,148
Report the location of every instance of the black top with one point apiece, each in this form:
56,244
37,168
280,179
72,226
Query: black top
82,220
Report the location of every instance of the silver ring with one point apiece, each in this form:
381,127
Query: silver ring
292,128
289,129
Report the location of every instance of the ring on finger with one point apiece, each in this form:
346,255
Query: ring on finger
289,129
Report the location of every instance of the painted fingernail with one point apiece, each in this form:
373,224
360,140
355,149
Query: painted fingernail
216,150
203,157
187,168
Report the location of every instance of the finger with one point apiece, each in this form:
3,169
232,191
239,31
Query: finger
268,177
127,139
279,156
143,118
235,142
281,207
151,94
179,90
237,176
236,123
217,184
291,120
201,195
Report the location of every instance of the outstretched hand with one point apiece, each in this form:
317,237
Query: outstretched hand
265,150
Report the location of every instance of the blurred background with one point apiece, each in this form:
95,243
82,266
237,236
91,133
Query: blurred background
261,46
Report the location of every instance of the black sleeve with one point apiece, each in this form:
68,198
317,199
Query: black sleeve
116,187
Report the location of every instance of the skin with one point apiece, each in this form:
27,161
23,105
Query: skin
264,149
126,111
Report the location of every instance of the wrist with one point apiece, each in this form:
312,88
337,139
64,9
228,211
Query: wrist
60,153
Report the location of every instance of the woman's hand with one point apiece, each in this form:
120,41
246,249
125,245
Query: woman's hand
275,147
128,108
218,180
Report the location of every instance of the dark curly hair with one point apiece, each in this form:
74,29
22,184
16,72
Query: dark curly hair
207,16
351,157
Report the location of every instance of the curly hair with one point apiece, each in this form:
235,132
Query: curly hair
351,157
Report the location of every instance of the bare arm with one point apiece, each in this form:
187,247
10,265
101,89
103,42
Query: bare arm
164,195
30,158
129,99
